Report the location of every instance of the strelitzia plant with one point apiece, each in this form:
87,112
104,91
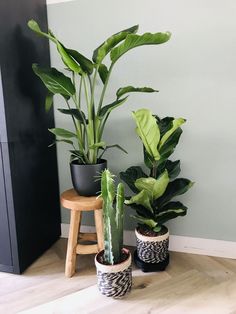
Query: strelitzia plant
78,88
113,218
154,191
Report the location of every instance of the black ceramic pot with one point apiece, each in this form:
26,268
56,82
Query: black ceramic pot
85,178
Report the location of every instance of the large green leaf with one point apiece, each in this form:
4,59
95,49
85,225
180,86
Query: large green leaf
103,72
173,168
85,63
148,131
62,133
100,52
174,188
67,59
149,222
168,147
129,89
33,25
55,81
108,108
131,175
154,187
142,198
176,123
164,124
79,115
133,41
170,211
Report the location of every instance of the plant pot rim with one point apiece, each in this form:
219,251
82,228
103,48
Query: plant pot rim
116,267
75,162
151,239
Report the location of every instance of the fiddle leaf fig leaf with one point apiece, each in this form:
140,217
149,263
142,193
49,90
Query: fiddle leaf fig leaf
142,198
131,175
154,187
48,101
129,89
148,131
176,123
170,211
149,222
132,41
100,53
55,81
103,72
62,132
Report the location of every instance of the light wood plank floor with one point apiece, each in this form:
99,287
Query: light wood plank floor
190,284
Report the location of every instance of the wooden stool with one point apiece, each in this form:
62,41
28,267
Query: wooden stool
77,204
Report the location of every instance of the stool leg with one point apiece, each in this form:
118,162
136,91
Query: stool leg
72,242
99,228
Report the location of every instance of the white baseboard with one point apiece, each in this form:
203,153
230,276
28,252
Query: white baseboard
191,245
57,1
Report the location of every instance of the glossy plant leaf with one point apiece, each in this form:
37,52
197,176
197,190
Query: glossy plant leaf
174,188
168,147
164,124
148,131
173,168
103,72
130,89
48,101
78,114
133,41
86,64
142,198
62,133
176,123
170,211
131,175
67,59
100,53
55,81
33,25
154,187
108,108
149,222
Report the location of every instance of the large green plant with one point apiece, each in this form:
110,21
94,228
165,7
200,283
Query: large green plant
155,191
86,139
113,218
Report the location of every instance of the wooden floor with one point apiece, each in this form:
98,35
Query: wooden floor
191,284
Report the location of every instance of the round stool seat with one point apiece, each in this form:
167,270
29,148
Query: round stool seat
72,200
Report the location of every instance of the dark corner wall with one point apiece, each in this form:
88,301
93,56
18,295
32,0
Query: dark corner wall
29,197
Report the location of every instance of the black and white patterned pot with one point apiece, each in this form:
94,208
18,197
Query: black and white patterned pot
152,249
114,280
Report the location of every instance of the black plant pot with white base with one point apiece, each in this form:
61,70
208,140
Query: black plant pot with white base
85,178
114,280
152,251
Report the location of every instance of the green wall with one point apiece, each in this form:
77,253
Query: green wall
196,75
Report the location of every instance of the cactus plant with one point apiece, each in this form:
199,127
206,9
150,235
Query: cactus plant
113,217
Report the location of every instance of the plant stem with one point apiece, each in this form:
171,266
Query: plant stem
104,88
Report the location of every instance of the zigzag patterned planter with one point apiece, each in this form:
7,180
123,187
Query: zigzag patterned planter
114,280
152,251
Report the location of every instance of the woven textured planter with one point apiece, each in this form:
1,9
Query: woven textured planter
114,280
152,250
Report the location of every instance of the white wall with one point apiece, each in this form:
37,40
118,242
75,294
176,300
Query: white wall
196,75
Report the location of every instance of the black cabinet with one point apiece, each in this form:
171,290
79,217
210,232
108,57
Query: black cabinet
29,196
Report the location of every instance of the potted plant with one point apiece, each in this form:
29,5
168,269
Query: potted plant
114,262
154,191
89,113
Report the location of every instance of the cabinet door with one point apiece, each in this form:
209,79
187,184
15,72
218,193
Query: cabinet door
5,245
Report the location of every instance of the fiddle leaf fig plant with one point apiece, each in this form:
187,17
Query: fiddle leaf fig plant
78,88
154,192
